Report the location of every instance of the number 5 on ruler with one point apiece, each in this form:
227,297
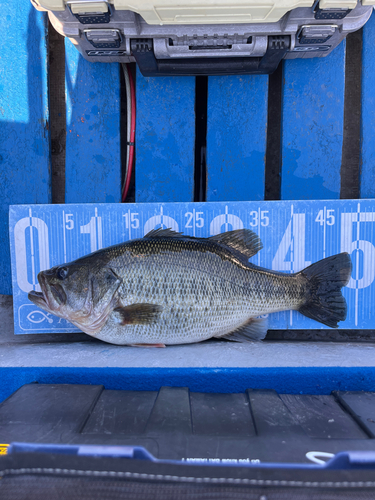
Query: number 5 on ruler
350,246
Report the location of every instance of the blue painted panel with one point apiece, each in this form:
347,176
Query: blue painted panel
312,126
165,138
236,137
93,161
315,380
367,173
294,234
24,116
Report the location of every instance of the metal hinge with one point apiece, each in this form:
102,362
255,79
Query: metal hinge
278,42
141,45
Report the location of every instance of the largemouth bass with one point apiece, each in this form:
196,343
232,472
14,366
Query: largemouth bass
167,288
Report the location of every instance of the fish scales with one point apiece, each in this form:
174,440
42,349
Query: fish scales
205,291
171,289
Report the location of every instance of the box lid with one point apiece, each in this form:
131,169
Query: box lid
198,12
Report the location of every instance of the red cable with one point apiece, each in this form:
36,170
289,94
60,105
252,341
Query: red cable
132,136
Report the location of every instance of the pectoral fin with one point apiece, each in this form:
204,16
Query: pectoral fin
138,314
254,329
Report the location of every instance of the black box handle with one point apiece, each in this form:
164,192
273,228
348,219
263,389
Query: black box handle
142,50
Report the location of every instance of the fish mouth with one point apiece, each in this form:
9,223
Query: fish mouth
38,299
50,298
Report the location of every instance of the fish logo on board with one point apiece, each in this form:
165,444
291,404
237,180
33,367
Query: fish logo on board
38,316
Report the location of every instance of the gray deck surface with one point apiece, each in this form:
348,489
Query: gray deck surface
79,350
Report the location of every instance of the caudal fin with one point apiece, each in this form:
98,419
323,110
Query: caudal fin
325,302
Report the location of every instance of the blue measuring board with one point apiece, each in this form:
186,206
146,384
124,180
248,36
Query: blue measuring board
295,234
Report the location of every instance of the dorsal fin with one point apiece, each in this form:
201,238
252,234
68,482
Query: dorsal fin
163,233
244,241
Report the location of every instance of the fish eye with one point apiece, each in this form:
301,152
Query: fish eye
62,273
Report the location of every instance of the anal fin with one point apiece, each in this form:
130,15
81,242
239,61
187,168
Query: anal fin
254,329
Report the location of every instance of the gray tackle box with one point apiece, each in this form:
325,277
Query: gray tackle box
210,37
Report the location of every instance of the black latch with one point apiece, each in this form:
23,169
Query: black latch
100,16
331,13
94,18
316,34
104,38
